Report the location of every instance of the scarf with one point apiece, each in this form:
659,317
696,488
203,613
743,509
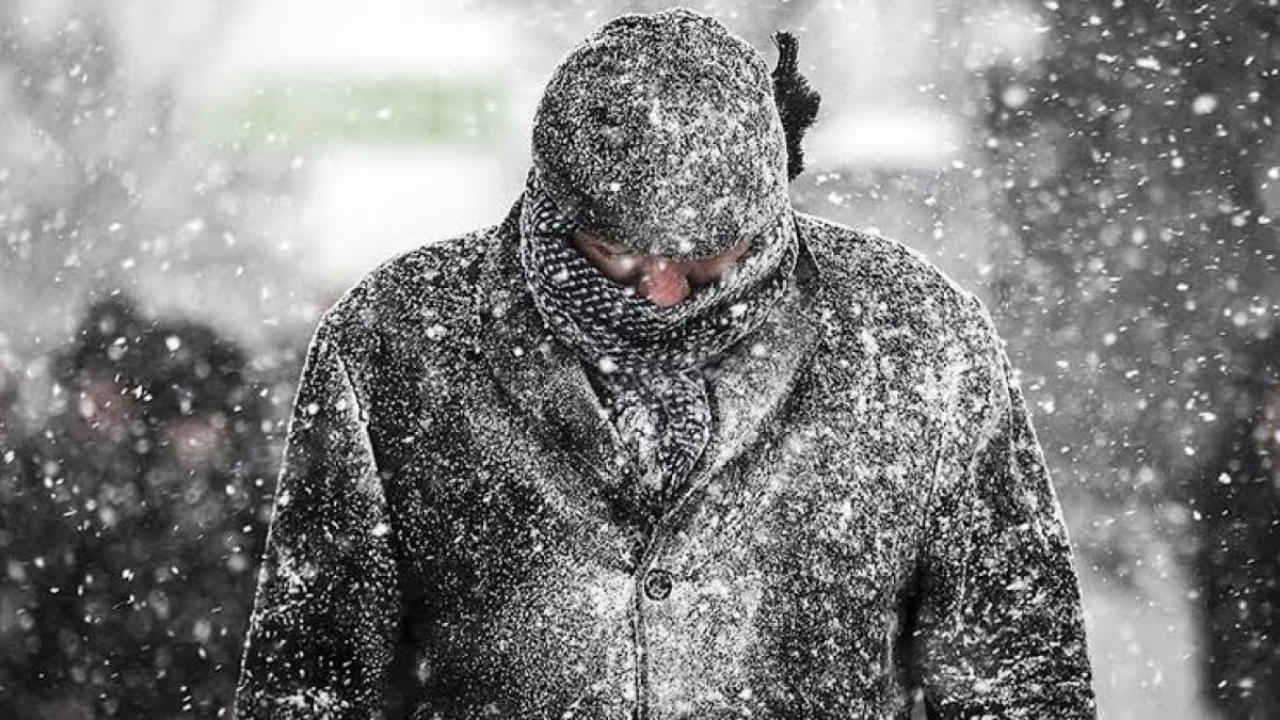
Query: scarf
649,364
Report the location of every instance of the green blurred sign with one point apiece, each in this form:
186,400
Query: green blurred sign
307,111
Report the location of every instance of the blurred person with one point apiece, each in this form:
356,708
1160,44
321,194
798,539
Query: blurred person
659,446
207,488
89,439
1235,496
141,557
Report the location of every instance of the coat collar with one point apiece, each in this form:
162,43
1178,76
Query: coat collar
545,383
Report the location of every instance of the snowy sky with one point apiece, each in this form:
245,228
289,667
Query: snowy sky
368,200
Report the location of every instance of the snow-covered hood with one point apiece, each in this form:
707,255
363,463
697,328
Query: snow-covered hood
661,132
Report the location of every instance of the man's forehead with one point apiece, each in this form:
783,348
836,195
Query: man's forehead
587,237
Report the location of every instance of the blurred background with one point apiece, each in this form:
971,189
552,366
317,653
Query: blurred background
186,185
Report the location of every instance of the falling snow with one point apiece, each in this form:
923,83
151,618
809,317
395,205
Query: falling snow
1081,200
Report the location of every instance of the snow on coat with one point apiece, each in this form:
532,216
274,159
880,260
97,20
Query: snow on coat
872,515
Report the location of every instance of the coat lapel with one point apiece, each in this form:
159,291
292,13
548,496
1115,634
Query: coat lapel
545,384
755,380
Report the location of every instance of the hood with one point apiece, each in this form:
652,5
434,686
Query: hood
661,132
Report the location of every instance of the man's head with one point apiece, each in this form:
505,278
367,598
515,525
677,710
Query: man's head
660,134
99,370
196,389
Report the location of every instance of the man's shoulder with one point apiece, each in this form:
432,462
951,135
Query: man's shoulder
866,264
875,285
428,292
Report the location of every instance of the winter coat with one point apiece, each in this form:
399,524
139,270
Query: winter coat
880,520
128,538
135,575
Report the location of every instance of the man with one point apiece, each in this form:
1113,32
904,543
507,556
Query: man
79,464
658,446
138,519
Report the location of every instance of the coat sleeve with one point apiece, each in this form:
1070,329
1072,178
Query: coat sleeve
327,608
999,627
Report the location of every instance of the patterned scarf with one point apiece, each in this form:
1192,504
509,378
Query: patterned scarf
648,363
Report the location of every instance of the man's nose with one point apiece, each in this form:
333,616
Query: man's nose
663,283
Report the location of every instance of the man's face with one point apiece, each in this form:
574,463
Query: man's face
103,406
195,441
661,281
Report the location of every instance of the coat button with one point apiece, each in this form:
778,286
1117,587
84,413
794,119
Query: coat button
657,584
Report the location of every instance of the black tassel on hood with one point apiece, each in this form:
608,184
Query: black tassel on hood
797,101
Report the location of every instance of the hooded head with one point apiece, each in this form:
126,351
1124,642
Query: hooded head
192,370
104,343
661,133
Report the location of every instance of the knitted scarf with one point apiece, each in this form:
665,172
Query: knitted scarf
648,363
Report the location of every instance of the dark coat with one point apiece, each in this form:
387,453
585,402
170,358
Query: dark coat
1235,569
127,561
872,515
